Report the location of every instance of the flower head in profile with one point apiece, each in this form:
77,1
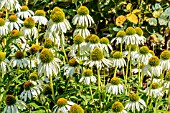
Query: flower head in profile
76,109
105,45
14,22
30,91
58,23
115,86
117,107
154,66
83,18
19,60
87,77
10,5
119,37
97,59
29,30
48,63
154,90
139,35
117,59
135,103
71,67
13,105
167,81
3,27
143,55
62,106
40,18
25,12
3,62
165,60
83,31
130,37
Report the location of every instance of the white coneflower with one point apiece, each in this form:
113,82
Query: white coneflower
3,62
18,39
165,60
57,38
40,18
117,107
105,45
117,59
93,42
83,18
62,106
115,86
30,91
119,37
3,27
14,22
139,35
70,68
48,65
29,30
58,23
155,90
34,79
97,59
77,49
87,77
76,109
144,55
10,4
167,81
130,37
83,31
13,105
134,103
154,66
19,60
25,12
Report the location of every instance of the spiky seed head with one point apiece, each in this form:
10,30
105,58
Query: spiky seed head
96,54
2,56
139,31
104,40
78,39
24,8
117,55
28,85
40,13
48,43
13,18
15,34
117,107
87,73
2,22
165,55
35,48
83,10
94,39
154,85
10,100
73,62
144,50
115,81
134,97
121,33
154,61
76,109
61,102
46,56
29,23
33,76
58,17
130,31
19,55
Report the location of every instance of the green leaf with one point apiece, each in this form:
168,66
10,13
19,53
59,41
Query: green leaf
34,105
153,22
39,111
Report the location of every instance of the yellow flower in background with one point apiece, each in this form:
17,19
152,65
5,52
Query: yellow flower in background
120,20
132,18
129,7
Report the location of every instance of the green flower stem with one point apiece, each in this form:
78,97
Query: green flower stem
37,35
65,59
121,47
91,92
115,71
26,2
78,51
51,85
127,66
156,101
99,88
139,77
147,101
7,14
